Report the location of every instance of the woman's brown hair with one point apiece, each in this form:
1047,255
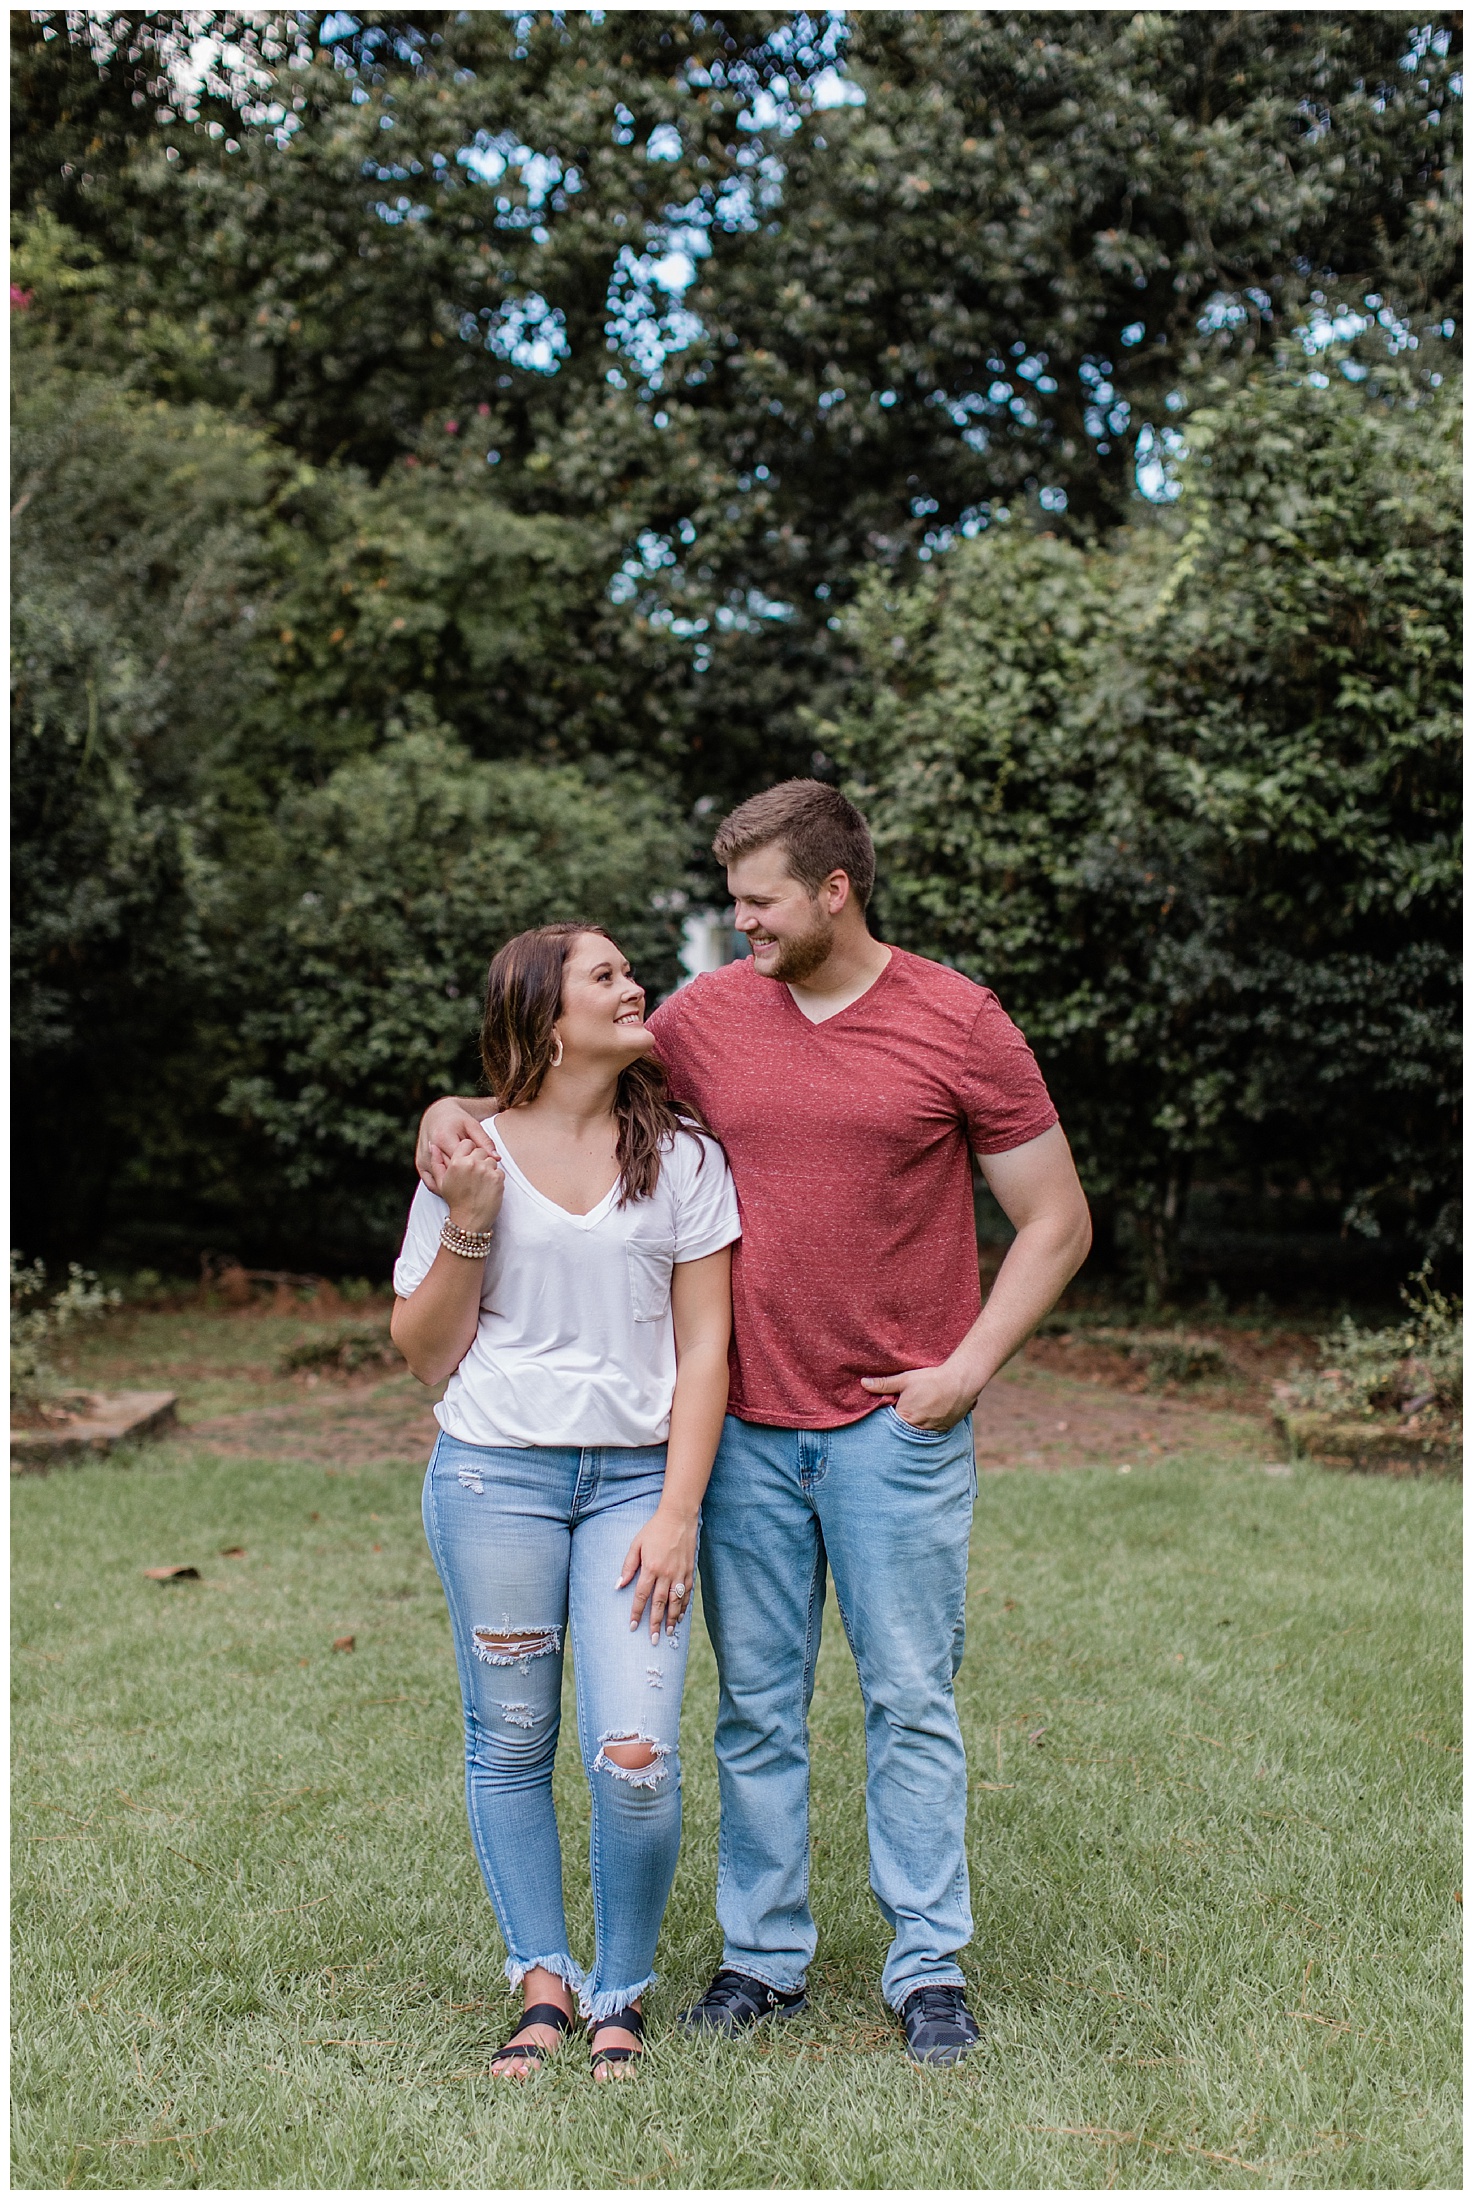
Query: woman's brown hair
524,998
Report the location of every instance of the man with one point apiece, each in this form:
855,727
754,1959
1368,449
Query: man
847,1081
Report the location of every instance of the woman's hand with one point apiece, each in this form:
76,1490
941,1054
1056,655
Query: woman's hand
663,1554
473,1186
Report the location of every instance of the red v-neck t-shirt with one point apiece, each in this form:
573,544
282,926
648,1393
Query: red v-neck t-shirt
848,1142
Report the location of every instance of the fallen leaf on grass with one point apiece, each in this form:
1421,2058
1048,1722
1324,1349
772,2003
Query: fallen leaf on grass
996,1787
171,1573
232,1550
345,1642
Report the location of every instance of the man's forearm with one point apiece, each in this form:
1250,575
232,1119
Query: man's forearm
439,1135
1040,1261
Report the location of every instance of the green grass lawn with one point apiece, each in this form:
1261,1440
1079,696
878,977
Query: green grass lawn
1212,1716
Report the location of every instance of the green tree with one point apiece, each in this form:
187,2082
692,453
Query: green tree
1189,801
137,565
979,287
364,931
548,378
209,639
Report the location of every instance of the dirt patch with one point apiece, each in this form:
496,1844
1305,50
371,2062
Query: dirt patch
1255,1359
1027,1418
375,1424
1064,1402
1031,1417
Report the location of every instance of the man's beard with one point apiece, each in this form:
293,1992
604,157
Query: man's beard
800,958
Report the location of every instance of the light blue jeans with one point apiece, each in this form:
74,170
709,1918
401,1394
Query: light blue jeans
528,1545
888,1508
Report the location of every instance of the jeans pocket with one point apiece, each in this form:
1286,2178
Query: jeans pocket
920,1435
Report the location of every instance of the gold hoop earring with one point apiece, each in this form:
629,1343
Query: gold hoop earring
556,1057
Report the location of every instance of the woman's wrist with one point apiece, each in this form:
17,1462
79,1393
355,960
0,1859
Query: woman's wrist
464,1239
470,1218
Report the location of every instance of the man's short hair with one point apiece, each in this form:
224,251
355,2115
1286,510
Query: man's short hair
817,829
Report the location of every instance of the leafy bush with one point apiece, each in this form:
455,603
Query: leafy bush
216,653
1413,1368
1167,1355
37,1328
1189,800
365,926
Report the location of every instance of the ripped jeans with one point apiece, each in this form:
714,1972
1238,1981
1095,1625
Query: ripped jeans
528,1545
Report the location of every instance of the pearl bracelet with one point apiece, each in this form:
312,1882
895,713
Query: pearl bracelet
470,1244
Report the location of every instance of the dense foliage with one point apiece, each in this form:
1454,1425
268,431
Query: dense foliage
1413,1369
748,319
242,957
1190,800
367,928
449,444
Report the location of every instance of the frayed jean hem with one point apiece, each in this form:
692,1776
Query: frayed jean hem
562,1967
599,2008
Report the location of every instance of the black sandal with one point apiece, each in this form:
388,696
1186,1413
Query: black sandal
532,2051
627,2020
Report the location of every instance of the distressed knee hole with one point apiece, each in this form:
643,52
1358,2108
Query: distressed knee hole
515,1646
519,1714
633,1755
635,1758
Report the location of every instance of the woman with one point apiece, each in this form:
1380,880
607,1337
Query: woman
576,1289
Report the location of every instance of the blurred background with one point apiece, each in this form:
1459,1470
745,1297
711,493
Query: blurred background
460,453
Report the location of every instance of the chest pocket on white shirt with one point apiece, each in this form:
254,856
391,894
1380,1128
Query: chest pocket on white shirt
650,1263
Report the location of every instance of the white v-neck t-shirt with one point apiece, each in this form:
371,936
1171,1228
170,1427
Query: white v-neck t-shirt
576,1341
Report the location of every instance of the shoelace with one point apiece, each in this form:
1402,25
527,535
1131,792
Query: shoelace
940,2001
729,1989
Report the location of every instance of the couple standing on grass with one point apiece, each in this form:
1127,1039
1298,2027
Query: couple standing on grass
577,1264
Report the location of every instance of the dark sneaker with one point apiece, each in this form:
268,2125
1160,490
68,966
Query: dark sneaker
733,2003
939,2027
